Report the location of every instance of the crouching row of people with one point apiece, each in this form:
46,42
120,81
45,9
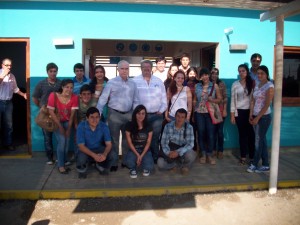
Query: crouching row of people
94,142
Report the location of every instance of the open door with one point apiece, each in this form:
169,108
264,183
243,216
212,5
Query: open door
18,51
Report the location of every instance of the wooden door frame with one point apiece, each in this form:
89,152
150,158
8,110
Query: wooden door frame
27,41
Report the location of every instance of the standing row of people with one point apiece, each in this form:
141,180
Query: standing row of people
121,95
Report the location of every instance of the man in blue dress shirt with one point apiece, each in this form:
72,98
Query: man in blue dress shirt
121,94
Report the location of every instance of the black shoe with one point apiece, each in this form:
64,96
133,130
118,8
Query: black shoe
113,168
9,147
82,175
124,166
104,172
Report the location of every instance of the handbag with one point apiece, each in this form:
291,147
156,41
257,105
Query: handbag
44,119
214,110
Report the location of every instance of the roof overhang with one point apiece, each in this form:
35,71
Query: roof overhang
290,9
262,5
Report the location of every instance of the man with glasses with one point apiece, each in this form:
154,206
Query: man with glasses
40,97
152,94
8,86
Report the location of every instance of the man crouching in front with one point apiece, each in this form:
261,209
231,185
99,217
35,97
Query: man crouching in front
94,143
177,144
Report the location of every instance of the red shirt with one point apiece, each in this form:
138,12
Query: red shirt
64,110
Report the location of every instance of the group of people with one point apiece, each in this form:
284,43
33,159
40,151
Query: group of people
161,114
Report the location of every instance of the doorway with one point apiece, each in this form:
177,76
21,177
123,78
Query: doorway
109,52
18,51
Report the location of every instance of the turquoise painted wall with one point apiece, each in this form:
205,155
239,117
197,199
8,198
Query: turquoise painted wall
42,21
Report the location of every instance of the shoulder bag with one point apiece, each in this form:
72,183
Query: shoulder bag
44,119
213,109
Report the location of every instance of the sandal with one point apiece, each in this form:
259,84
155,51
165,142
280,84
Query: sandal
242,162
202,160
63,171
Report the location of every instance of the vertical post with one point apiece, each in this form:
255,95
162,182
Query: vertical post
277,105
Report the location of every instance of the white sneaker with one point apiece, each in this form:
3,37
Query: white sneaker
49,162
133,173
68,163
262,169
251,168
146,173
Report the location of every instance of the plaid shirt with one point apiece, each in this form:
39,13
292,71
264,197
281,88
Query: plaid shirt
170,133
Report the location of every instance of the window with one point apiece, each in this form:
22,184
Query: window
291,76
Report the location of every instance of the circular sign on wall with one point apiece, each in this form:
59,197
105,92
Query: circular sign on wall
120,46
133,47
146,47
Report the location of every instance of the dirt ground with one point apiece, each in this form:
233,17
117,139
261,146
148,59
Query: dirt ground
256,207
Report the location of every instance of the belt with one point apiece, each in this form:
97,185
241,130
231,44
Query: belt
152,113
119,111
5,100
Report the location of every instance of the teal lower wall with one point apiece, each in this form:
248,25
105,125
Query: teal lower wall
290,124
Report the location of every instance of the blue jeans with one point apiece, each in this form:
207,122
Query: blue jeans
83,159
206,130
6,111
261,149
116,123
48,143
147,161
155,120
62,145
219,137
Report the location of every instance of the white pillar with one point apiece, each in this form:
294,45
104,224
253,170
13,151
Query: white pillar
277,105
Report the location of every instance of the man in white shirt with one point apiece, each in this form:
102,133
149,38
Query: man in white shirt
152,94
161,71
185,60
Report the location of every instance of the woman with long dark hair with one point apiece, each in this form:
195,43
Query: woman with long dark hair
172,70
219,134
240,111
65,102
97,85
205,91
260,118
139,135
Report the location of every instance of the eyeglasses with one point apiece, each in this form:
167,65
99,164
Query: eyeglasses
7,65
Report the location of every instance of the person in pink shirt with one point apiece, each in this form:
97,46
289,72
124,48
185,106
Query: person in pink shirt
65,103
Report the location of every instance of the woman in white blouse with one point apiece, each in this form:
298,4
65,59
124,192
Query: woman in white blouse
178,96
240,110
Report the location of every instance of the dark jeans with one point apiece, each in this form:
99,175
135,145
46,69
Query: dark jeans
155,120
83,159
246,133
48,143
219,136
206,133
261,149
6,111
